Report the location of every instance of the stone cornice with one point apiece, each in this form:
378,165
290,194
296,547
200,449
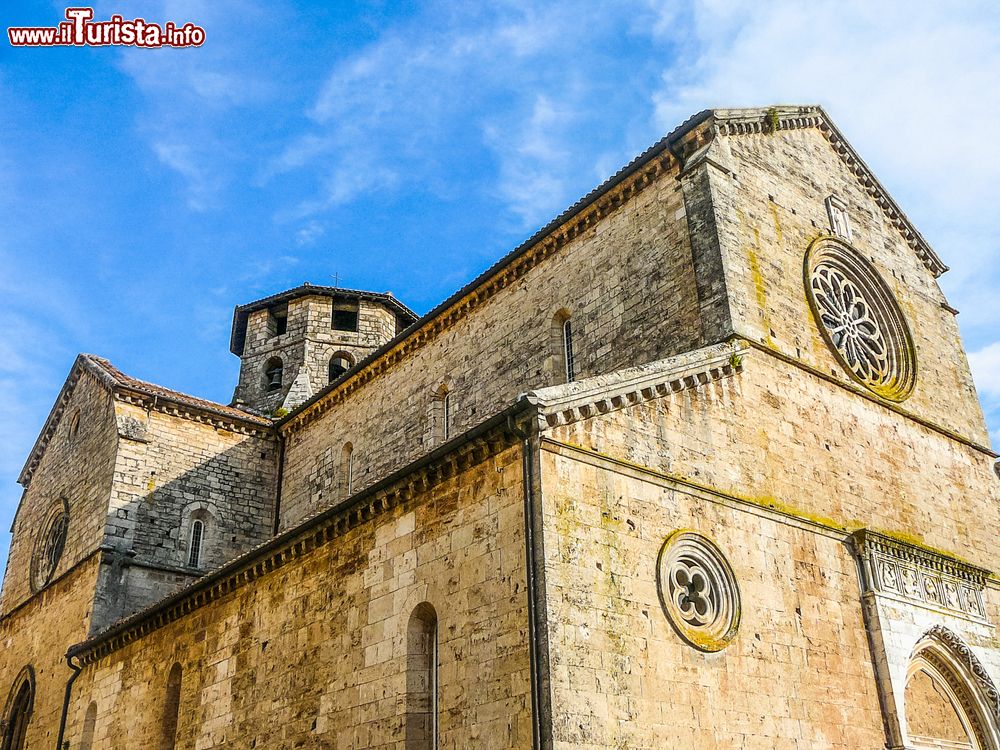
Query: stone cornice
457,455
571,225
728,122
572,402
204,415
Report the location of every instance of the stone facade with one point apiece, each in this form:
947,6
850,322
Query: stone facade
720,533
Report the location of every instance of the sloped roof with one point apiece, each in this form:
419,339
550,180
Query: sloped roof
683,141
118,382
242,312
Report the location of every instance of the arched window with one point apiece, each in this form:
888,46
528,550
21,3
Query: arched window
943,706
89,723
194,548
18,713
562,357
441,403
273,372
422,679
339,364
171,709
567,328
347,469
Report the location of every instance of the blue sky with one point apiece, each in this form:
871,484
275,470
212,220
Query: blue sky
406,146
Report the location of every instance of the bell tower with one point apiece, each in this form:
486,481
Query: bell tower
295,343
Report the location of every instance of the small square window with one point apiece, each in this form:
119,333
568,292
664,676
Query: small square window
345,316
277,320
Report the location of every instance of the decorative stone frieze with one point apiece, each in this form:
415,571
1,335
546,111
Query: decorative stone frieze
915,574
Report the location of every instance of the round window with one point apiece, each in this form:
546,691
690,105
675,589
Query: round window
49,547
860,319
698,591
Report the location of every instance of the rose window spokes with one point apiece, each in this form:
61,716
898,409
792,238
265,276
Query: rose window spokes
49,546
860,319
53,547
849,320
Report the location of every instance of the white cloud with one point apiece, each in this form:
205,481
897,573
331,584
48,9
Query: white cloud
985,364
911,84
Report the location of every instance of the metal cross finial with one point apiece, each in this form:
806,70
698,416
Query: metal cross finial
336,280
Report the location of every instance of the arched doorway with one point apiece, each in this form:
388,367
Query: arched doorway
946,707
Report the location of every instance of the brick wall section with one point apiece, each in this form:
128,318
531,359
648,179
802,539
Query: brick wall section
78,468
312,654
169,470
797,675
767,216
308,344
777,435
38,634
628,284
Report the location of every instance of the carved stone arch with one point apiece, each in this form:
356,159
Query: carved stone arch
17,710
944,660
208,513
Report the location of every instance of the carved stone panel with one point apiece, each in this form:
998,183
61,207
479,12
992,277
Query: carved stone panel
907,571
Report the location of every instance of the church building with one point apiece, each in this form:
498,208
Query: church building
700,465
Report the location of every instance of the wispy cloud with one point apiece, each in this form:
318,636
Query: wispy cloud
907,82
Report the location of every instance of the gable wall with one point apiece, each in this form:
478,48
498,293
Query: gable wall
768,215
78,469
627,282
169,468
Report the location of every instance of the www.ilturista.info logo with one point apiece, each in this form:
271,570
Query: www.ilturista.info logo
80,30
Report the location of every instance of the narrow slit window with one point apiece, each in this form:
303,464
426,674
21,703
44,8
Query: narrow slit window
197,536
446,415
568,350
347,469
171,709
89,724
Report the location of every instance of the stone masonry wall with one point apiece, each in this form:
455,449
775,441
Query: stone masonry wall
75,467
797,675
778,436
627,282
38,635
306,348
169,471
770,211
313,654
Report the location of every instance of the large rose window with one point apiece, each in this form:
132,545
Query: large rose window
860,319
